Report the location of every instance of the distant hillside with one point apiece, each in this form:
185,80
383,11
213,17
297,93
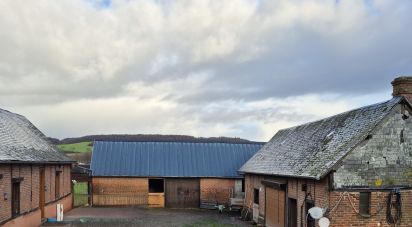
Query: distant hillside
151,138
76,147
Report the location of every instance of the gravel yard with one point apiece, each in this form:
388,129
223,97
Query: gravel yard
97,216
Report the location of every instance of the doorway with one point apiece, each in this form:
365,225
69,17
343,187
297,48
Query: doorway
15,198
42,191
292,213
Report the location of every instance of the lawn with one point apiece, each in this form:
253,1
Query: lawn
76,147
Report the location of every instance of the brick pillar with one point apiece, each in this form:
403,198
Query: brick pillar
402,86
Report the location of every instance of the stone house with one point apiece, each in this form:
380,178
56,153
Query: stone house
167,174
34,176
356,165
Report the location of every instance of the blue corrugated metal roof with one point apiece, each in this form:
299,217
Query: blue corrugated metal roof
170,159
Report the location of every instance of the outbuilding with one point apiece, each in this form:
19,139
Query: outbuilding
356,166
34,176
167,174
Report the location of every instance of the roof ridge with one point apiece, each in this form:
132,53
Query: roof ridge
188,142
345,112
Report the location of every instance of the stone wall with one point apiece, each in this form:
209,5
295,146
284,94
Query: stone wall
384,158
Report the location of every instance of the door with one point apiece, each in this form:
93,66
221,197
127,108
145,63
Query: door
42,192
57,185
183,193
15,198
292,213
275,207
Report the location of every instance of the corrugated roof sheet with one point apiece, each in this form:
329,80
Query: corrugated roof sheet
311,150
170,159
21,141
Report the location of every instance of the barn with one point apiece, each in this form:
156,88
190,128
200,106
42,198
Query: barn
356,166
34,175
168,174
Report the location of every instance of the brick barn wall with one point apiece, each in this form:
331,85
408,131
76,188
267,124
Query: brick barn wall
317,192
5,187
344,215
120,191
35,184
255,181
29,188
216,190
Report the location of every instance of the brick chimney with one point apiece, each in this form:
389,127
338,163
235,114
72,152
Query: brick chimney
402,86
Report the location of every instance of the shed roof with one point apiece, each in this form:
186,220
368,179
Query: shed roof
311,150
21,141
170,159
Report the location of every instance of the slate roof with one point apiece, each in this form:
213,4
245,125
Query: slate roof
170,159
21,141
311,150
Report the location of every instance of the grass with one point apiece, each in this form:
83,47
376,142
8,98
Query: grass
80,194
76,147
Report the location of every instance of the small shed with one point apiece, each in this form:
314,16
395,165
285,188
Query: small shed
171,174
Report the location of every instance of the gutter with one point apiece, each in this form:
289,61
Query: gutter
37,162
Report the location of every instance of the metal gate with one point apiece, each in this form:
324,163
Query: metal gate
81,194
182,193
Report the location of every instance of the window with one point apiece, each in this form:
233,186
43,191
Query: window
256,196
156,186
243,185
15,198
364,203
57,185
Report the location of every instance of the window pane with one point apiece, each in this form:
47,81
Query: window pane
364,202
256,196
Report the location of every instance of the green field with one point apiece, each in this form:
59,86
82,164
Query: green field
76,147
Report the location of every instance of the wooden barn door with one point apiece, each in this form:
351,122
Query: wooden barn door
182,193
275,207
42,191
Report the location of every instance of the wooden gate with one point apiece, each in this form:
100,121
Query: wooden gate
182,193
275,207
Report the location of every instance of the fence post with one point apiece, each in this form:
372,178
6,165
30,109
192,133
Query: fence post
72,185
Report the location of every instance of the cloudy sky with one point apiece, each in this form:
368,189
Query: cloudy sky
203,68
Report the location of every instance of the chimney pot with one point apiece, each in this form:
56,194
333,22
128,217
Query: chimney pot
402,86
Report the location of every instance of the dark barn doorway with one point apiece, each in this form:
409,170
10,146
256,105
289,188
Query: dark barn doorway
183,193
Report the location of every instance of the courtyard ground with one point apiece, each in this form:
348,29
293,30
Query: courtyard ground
102,216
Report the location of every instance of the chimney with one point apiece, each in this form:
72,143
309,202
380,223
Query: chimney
402,86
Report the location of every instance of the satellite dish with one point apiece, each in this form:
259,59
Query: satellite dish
324,222
316,212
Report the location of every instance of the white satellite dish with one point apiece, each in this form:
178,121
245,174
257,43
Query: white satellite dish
324,222
316,212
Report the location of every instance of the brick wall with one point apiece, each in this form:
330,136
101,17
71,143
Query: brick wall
120,191
29,186
345,215
255,182
5,188
217,190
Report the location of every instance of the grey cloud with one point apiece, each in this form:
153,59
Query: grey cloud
189,55
294,56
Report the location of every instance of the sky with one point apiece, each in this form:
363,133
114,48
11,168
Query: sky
239,68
